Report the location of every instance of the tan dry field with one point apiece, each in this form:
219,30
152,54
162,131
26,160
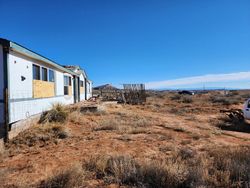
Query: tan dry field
178,141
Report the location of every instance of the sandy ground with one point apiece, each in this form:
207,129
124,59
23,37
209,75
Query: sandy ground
165,133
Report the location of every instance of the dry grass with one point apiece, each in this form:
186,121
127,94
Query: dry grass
37,136
72,177
164,143
58,113
223,167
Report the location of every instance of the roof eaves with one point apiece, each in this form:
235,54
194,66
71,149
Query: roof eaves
25,51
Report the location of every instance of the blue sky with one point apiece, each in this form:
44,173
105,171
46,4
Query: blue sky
137,41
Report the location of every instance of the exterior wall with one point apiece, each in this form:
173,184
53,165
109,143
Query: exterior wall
26,108
82,89
59,83
89,89
1,91
22,104
19,67
42,89
70,90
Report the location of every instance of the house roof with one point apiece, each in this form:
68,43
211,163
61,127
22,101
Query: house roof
77,69
27,52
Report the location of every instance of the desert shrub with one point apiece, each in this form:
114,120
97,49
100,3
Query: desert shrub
114,169
141,121
187,99
137,130
58,113
225,100
37,136
164,174
186,153
230,167
233,93
73,177
124,170
245,96
108,125
175,97
58,131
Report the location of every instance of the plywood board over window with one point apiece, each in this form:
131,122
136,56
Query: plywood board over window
43,89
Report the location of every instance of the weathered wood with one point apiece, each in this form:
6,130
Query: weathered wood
134,93
234,114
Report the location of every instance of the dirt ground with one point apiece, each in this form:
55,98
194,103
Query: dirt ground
165,124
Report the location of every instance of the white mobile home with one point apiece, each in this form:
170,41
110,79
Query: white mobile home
31,83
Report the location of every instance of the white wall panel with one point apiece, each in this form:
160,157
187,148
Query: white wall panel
1,74
82,95
59,83
1,87
24,109
20,67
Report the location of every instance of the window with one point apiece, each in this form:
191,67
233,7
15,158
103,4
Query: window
44,74
51,76
36,72
66,80
69,81
66,90
81,83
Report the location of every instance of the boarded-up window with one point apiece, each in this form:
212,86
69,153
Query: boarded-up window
36,72
44,74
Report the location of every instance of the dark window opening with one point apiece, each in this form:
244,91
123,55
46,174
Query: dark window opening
36,72
81,83
44,74
66,90
69,81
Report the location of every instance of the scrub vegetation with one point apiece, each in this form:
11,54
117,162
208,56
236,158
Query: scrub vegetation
171,141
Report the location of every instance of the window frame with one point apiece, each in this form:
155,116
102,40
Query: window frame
81,83
36,76
67,80
44,71
49,75
70,81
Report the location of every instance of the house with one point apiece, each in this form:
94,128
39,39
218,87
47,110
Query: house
30,83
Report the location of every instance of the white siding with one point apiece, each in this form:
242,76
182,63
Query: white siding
24,109
22,105
59,83
82,95
18,68
1,87
89,89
